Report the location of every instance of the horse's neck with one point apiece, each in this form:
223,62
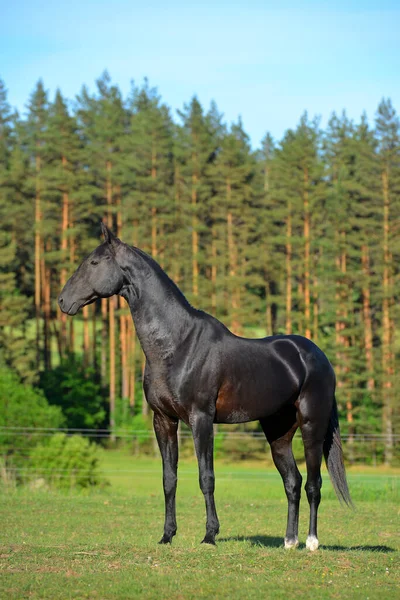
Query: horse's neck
159,310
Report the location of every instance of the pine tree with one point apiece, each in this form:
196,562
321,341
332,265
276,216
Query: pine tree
61,173
103,122
266,245
14,304
36,130
195,152
298,182
388,135
234,213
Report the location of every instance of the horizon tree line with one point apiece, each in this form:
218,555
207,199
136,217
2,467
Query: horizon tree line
299,236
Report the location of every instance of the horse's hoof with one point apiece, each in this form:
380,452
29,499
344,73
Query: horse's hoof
291,544
166,539
208,541
312,543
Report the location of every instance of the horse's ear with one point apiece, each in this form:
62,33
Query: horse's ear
109,237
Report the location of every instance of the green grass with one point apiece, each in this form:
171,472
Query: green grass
103,544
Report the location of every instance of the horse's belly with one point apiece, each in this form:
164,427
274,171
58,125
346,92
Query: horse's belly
234,406
238,414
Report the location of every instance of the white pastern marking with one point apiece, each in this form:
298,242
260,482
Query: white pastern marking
289,544
312,543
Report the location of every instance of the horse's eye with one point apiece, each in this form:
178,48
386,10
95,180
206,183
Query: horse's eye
94,262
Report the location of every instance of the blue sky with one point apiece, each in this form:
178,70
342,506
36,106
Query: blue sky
266,61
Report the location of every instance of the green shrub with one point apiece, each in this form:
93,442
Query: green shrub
77,390
22,407
66,462
143,440
244,446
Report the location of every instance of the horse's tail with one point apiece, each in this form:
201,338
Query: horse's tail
334,457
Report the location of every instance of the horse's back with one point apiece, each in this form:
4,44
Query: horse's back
261,376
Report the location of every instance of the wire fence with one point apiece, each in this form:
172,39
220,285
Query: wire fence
362,448
133,433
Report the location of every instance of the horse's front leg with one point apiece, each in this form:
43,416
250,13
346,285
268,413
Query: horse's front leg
203,436
166,433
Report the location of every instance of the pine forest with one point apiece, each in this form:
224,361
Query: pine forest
298,236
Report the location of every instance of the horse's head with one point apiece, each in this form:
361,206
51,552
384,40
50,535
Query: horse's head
99,276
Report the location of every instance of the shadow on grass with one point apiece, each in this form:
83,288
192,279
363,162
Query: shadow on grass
269,541
256,540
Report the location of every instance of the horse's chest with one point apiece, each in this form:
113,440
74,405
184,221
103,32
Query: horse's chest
161,394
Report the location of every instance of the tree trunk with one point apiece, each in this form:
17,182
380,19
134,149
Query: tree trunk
63,272
103,351
94,335
387,413
132,360
145,406
109,217
288,326
124,351
213,272
38,220
235,326
112,366
45,278
307,318
122,316
153,208
72,262
86,337
342,340
268,309
315,310
195,238
367,318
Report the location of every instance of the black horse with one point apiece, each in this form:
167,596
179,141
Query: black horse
200,372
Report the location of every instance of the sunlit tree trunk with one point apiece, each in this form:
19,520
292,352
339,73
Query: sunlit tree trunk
71,345
38,221
45,278
195,238
233,264
153,208
268,309
105,303
132,361
235,326
86,337
213,271
145,406
124,350
288,325
367,318
176,257
315,309
342,340
387,355
103,349
307,303
94,335
63,273
112,364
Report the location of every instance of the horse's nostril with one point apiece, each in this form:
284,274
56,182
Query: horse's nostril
61,300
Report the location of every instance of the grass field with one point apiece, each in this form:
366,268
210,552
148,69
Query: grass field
103,544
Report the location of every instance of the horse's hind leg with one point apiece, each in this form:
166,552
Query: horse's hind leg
279,431
313,452
314,416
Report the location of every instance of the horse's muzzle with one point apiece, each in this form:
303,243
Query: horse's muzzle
69,310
